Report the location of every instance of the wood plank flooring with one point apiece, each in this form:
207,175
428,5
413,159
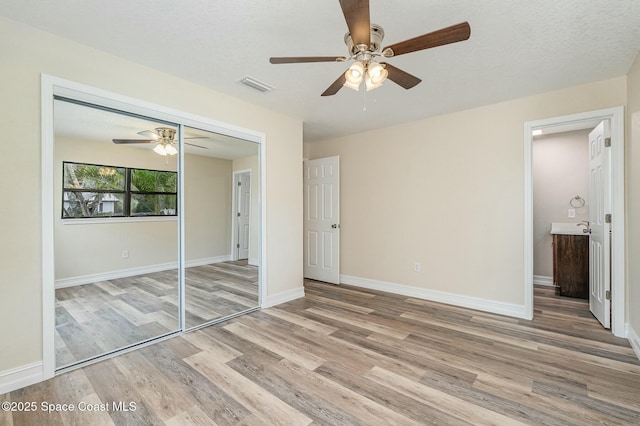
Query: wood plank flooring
347,356
219,290
94,319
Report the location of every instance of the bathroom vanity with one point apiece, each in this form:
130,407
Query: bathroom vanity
570,259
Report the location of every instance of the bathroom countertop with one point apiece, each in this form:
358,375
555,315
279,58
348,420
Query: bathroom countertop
560,228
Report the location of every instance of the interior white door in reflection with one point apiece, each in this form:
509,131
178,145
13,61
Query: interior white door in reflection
243,214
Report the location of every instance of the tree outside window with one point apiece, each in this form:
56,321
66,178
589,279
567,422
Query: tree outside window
92,190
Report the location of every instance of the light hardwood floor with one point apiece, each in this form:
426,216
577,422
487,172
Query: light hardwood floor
94,319
344,355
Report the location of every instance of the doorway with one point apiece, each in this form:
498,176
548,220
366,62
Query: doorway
560,195
241,214
615,117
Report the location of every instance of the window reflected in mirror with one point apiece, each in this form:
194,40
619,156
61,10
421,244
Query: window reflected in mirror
115,235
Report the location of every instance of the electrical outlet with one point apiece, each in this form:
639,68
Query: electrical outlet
572,213
416,267
125,254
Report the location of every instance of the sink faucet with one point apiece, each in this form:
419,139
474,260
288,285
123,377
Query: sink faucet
586,229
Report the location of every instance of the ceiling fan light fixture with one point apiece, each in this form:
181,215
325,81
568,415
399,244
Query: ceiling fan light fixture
370,85
165,148
354,86
376,73
170,149
353,76
160,149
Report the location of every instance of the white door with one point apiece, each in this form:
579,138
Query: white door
243,214
322,219
599,242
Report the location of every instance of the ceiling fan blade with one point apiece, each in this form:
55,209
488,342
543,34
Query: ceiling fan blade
356,13
302,59
197,146
124,141
401,78
337,85
452,34
149,134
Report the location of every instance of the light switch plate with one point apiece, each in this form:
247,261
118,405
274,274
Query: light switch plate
572,213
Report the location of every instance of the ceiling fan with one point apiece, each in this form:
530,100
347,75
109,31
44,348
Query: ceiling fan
164,139
363,42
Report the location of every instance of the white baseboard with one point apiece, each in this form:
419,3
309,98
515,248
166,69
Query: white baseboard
479,304
207,261
254,261
131,272
283,297
543,280
634,340
20,377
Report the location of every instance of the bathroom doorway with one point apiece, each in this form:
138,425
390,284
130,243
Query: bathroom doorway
577,123
560,194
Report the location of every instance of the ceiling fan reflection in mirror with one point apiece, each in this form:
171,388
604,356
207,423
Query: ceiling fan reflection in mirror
163,137
363,43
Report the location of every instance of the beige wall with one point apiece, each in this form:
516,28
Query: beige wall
84,249
208,186
27,53
633,196
207,210
251,163
560,172
448,192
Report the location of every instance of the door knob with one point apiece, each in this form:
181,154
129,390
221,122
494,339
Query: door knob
335,226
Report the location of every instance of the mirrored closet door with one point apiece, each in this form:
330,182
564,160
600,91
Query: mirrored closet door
221,226
156,229
115,231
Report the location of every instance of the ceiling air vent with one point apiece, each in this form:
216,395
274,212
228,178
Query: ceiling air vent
255,84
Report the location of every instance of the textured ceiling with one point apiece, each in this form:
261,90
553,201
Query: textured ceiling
517,48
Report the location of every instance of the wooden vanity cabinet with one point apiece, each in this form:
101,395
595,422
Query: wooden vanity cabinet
571,265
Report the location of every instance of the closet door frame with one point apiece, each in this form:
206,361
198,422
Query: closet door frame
53,86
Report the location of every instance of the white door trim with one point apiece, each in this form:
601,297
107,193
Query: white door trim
616,118
51,86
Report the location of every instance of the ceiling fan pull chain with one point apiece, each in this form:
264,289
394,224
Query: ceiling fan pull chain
364,100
